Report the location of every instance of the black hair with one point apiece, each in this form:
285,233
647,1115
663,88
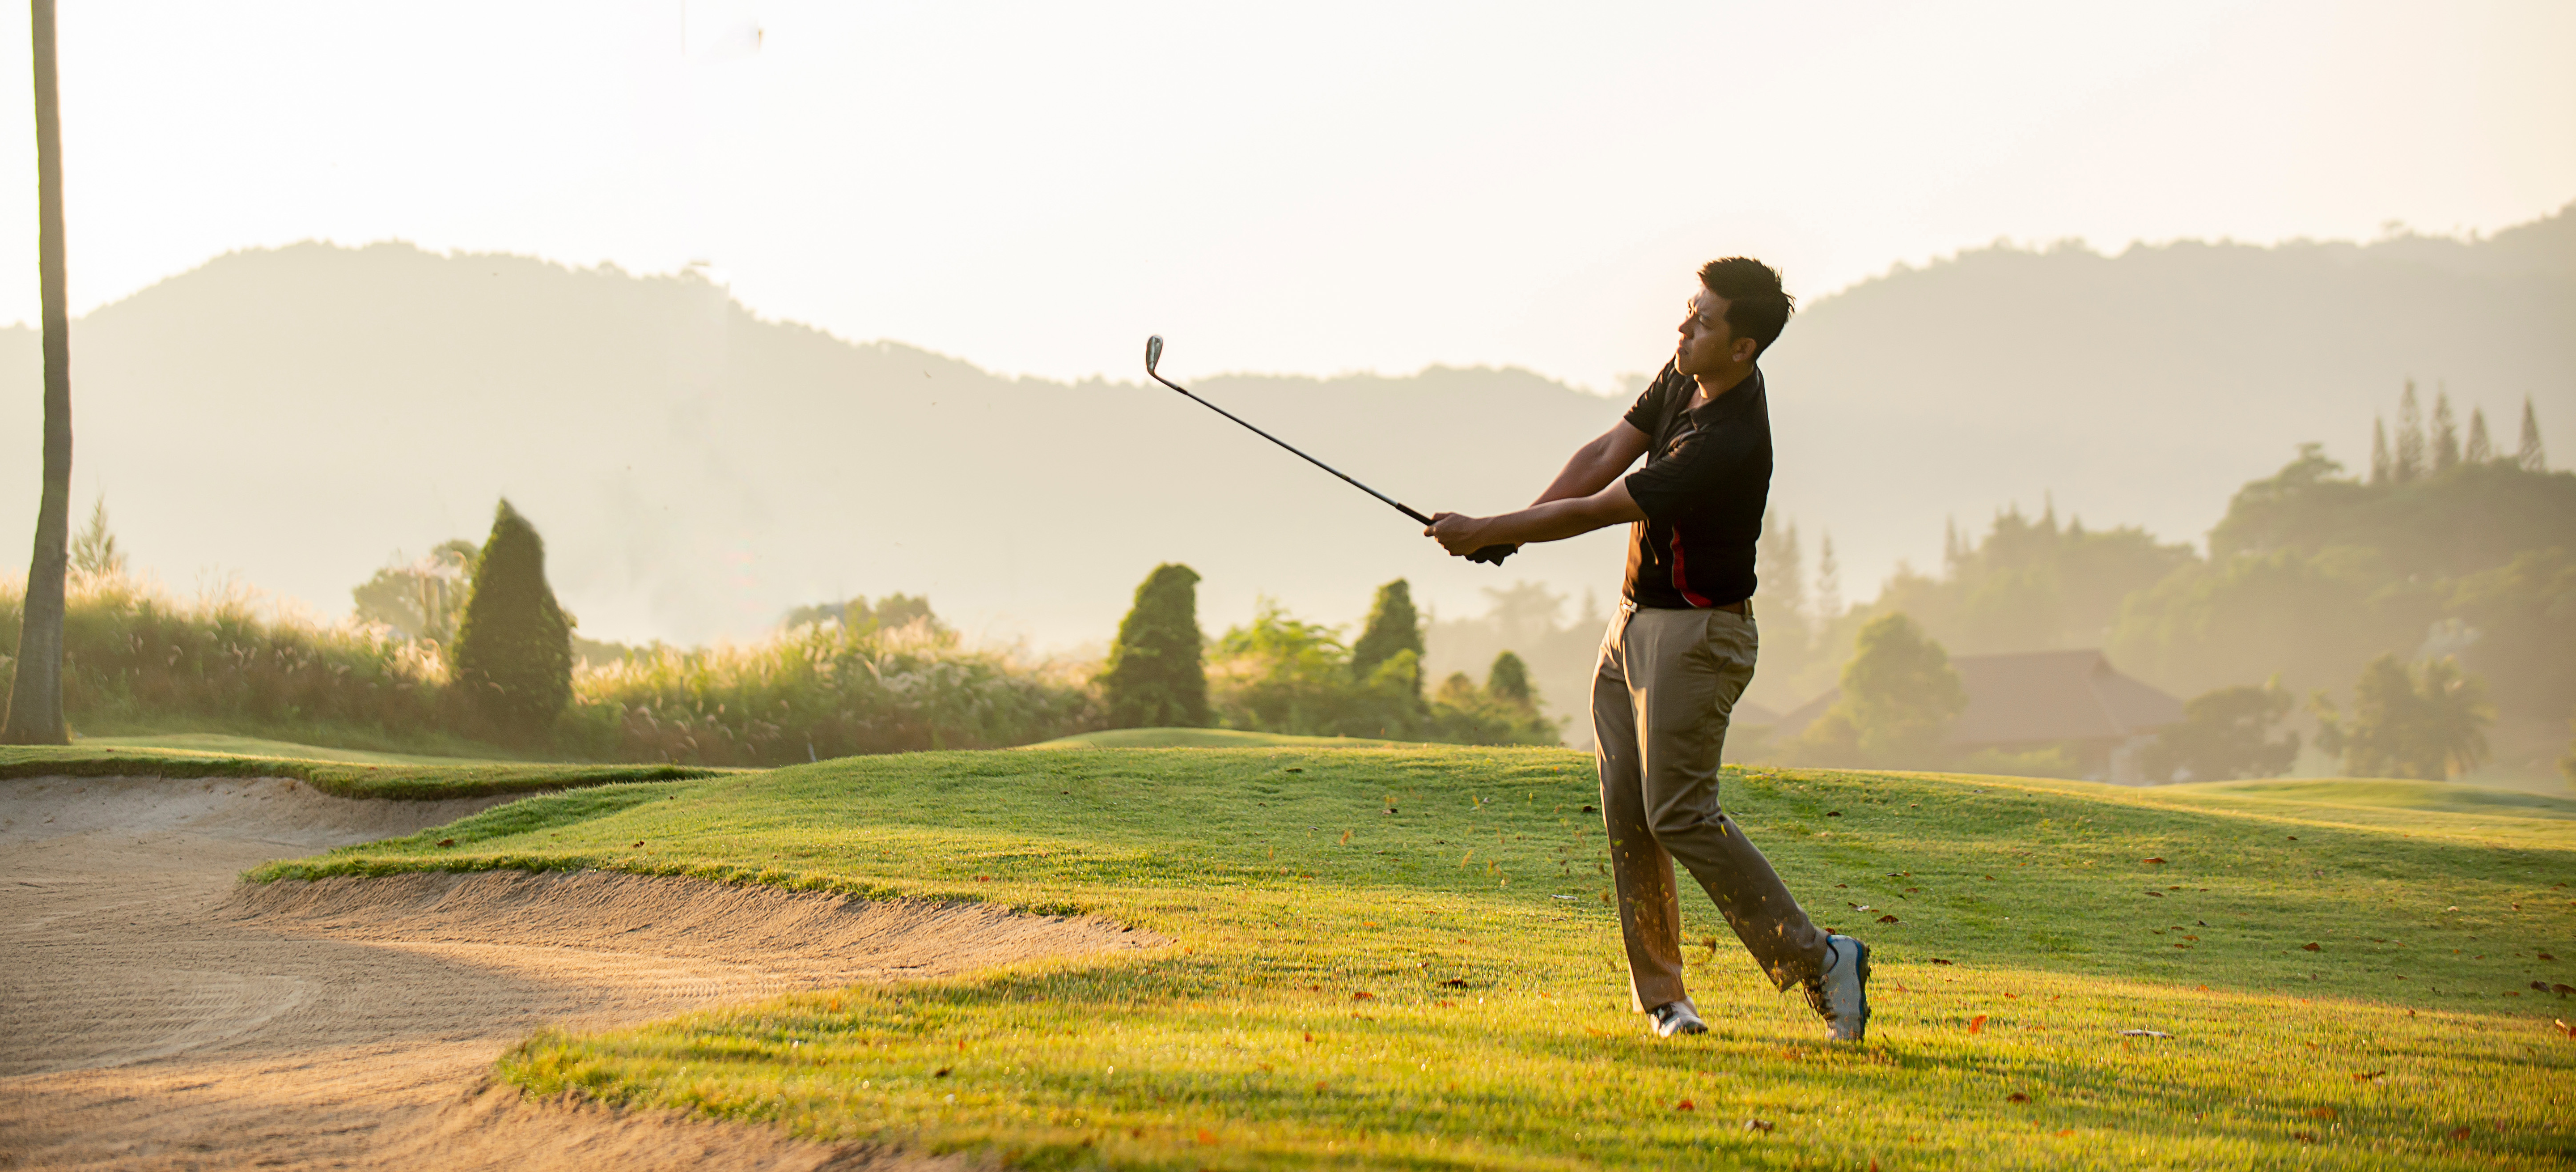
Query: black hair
1756,306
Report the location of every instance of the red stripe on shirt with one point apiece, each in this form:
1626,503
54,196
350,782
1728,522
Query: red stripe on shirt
1681,580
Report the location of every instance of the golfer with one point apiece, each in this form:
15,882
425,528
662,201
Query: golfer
1682,647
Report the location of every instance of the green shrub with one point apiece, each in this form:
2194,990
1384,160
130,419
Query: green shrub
1503,712
1156,676
2225,734
2428,723
1899,695
514,644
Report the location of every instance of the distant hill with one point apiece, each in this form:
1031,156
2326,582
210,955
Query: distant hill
296,415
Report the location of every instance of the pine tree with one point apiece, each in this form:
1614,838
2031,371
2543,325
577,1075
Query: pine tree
2481,450
2528,455
1156,676
1781,594
1829,583
1392,626
1508,681
514,644
2379,471
94,552
2410,437
2446,433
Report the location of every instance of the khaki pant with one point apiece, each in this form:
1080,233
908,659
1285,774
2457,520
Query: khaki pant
1668,681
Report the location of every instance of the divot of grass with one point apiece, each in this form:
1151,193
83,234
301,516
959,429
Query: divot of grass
1349,987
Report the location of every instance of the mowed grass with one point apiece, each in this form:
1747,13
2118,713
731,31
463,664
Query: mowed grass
1404,958
346,772
1202,738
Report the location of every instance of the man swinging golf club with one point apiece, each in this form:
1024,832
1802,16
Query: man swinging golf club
1682,647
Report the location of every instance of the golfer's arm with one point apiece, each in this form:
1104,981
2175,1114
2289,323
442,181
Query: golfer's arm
1556,520
1596,464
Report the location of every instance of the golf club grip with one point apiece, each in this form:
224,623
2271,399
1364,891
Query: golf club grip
1493,555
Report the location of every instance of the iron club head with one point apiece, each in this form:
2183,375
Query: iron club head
1153,352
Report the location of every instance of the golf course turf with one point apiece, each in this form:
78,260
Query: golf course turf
1403,957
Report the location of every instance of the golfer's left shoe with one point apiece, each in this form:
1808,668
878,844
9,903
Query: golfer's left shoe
1677,1017
1841,993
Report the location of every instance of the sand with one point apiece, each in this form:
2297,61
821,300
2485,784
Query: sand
155,1013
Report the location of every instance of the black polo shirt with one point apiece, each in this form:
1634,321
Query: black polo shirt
1707,476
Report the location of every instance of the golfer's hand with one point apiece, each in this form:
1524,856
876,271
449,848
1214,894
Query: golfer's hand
1457,533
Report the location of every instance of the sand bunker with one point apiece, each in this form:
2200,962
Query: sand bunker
158,1015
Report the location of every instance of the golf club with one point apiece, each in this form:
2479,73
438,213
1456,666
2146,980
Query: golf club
1490,555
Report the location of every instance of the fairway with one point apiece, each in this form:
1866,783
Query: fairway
1404,957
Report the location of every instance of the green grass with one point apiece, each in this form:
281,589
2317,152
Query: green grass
349,773
2450,797
240,746
1440,987
1201,738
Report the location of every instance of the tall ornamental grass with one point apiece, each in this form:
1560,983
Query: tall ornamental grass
824,690
133,657
138,660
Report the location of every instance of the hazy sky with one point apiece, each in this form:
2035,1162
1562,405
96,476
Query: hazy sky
1314,187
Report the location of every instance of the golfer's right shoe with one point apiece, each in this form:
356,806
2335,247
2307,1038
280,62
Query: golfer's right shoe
1841,993
1677,1017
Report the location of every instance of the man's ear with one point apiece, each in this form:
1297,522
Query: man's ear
1745,349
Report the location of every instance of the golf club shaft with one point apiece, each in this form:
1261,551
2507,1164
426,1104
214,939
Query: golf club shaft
1399,506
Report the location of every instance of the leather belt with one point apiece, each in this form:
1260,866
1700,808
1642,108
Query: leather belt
1741,606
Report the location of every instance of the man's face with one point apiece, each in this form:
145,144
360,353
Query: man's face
1708,345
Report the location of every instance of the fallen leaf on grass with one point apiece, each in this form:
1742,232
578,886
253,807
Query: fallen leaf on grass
452,842
942,1072
1684,1105
2311,946
2366,1075
2151,860
2546,956
2304,1137
1833,813
1977,1024
1762,1125
2562,989
638,842
2144,1034
1363,995
1454,983
2157,894
2067,1132
1938,960
1889,920
2460,1133
2016,1097
2321,1112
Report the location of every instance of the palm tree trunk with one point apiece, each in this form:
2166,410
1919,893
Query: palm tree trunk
36,692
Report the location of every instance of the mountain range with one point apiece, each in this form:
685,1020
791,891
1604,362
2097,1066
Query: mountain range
295,417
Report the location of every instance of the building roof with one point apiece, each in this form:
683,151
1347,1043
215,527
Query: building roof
2035,696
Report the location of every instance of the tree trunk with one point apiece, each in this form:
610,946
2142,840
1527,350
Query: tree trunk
36,691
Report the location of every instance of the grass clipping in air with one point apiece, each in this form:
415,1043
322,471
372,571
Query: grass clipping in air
1406,957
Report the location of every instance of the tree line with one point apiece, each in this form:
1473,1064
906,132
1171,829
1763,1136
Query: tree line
2412,620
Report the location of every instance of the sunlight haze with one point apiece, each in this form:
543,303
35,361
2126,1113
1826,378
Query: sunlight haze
1034,188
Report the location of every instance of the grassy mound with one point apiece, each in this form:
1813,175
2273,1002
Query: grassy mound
1406,958
346,772
1201,738
2393,794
